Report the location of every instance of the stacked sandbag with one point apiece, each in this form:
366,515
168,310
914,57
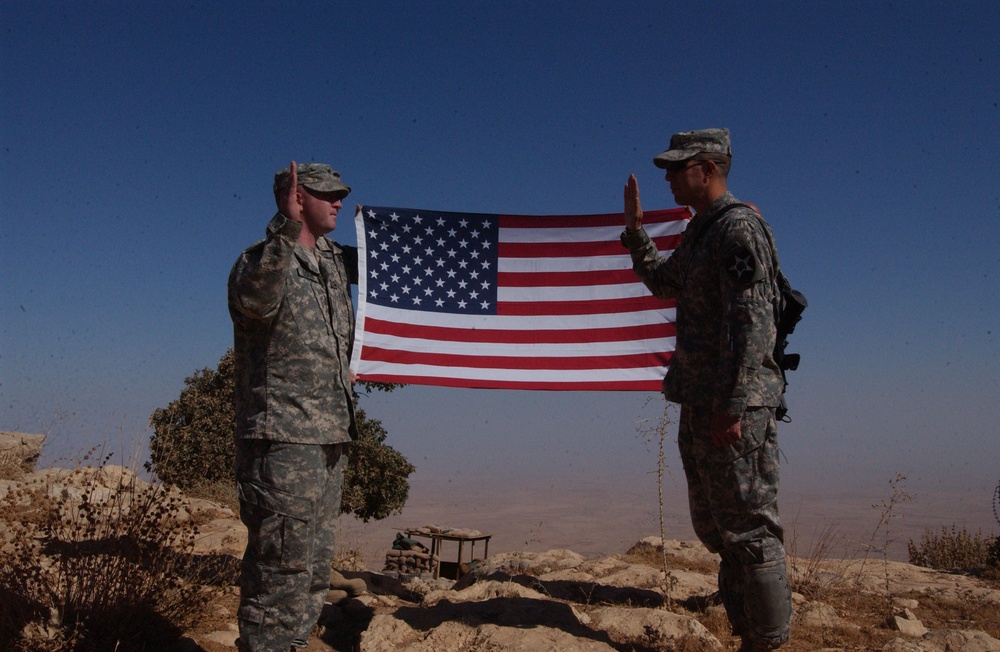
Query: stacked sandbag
409,557
342,588
410,562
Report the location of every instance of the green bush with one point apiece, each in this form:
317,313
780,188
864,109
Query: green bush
375,483
192,442
953,549
192,446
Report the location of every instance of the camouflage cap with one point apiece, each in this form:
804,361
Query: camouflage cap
688,144
315,176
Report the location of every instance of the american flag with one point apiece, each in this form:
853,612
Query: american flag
509,301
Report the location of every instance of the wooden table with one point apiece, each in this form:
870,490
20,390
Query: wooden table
438,539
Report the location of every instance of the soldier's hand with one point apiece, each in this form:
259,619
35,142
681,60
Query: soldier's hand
633,208
291,206
725,430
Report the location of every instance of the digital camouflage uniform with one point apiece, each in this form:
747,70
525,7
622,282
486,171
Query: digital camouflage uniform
293,329
723,277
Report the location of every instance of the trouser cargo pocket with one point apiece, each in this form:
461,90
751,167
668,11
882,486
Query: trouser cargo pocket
279,525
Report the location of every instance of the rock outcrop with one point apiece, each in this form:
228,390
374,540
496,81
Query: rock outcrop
561,601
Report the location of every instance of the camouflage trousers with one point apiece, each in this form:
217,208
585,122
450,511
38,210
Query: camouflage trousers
290,503
733,498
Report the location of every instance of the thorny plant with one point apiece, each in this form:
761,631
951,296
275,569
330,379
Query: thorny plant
98,560
657,432
887,512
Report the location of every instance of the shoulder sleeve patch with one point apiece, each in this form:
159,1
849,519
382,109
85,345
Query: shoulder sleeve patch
740,264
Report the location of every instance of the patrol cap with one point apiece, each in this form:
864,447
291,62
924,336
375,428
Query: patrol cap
688,144
314,176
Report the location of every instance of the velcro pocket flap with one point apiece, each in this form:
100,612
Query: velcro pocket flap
276,501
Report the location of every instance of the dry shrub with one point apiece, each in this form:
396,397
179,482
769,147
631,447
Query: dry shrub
952,549
104,563
818,574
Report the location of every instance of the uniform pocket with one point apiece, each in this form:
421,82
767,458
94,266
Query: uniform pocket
752,436
310,275
279,525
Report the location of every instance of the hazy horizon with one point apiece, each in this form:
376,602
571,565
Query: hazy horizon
561,499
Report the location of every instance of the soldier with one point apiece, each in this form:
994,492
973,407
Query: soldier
293,323
724,376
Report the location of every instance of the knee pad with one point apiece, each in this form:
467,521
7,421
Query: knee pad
767,601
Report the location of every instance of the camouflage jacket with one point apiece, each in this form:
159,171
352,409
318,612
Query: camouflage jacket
293,329
723,277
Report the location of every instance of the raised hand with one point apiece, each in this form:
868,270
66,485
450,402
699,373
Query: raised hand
291,207
633,208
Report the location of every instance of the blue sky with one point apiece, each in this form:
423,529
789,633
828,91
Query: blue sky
139,142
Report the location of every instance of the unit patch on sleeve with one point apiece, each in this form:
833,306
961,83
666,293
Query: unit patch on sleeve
741,265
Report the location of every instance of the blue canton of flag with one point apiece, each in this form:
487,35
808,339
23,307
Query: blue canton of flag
439,262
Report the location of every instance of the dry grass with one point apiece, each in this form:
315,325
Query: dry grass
823,579
819,575
968,613
11,465
830,582
864,629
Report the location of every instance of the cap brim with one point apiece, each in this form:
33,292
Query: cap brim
329,186
674,156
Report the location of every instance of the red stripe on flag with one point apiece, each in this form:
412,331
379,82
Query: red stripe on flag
588,221
506,336
476,383
558,249
595,307
630,361
667,242
575,249
565,279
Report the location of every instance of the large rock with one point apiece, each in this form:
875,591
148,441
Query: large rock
494,624
655,628
946,640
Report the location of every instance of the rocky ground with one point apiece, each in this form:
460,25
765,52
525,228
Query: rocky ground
561,601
